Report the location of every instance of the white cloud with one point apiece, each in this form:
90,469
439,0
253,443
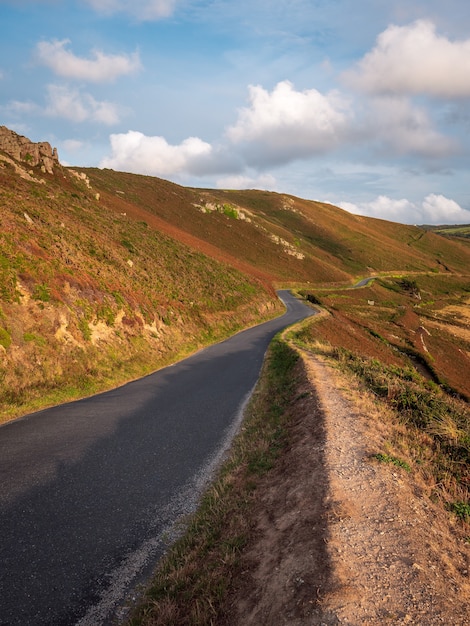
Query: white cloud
264,181
287,124
72,145
141,9
76,106
434,209
403,128
414,59
135,152
100,68
18,108
440,209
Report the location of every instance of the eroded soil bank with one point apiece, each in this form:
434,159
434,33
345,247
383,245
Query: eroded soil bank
341,538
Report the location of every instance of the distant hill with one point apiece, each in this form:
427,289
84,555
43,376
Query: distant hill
457,230
106,275
286,238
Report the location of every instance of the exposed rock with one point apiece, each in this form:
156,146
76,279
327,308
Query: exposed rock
81,176
23,149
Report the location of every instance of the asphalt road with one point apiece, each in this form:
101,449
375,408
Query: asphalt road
90,490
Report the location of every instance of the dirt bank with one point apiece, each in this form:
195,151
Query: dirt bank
343,539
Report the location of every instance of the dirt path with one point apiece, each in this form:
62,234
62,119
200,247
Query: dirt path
343,539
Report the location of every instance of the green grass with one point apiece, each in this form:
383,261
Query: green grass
387,458
458,231
5,338
461,509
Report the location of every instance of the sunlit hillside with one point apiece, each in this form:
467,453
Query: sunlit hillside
106,275
286,238
90,296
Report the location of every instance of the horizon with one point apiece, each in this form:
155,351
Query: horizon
358,105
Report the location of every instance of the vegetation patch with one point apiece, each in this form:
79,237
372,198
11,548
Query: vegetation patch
42,293
387,458
461,509
5,338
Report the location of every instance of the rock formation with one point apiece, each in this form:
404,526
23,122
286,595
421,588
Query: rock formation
23,149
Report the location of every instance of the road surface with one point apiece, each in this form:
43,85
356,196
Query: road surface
90,490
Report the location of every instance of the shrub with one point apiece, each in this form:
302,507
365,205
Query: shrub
5,338
42,293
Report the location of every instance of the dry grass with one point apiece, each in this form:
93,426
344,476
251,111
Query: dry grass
191,583
431,429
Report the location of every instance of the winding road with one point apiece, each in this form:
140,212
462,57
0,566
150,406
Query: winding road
91,491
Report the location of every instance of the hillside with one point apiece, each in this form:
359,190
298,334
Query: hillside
91,297
105,276
457,230
288,238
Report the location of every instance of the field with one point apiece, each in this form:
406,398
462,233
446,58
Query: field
407,340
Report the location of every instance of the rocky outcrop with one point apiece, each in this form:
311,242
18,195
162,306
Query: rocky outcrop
23,149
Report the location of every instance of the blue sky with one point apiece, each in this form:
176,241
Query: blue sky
364,103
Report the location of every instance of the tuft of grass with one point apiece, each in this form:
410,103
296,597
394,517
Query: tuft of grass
194,577
5,338
42,293
461,509
387,458
33,337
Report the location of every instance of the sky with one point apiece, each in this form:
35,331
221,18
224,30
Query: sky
360,103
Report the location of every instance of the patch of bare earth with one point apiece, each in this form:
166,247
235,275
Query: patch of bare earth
341,538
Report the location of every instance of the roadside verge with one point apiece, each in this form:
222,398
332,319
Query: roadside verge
307,525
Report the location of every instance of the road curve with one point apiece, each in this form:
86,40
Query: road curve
90,490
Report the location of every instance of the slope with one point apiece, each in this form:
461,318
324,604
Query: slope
91,297
284,237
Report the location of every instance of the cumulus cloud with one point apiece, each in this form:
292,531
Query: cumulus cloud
72,145
146,10
286,124
403,128
241,181
100,68
434,209
444,210
135,152
414,59
76,106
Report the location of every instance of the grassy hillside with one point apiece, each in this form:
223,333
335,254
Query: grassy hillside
105,275
420,322
285,238
460,230
90,296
